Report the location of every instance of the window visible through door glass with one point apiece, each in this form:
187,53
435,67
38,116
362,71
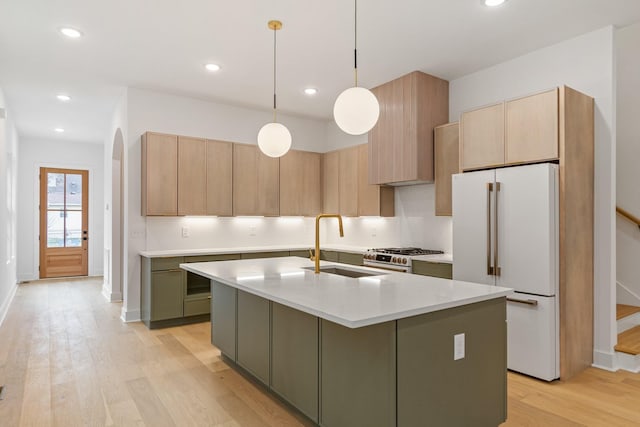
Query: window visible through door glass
64,210
74,192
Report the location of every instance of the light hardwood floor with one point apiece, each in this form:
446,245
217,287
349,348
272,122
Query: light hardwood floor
66,359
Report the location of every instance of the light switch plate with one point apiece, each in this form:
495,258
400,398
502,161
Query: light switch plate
185,231
458,346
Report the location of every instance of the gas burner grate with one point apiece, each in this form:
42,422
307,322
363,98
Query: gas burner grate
407,251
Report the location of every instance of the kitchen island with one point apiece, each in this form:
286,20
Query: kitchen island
387,349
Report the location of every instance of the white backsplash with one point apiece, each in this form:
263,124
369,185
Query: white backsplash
413,225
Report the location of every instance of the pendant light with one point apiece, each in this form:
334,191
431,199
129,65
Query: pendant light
356,109
274,139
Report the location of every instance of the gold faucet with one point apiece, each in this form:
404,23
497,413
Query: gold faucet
317,253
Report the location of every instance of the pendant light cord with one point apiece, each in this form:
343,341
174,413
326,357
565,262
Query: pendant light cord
355,41
274,75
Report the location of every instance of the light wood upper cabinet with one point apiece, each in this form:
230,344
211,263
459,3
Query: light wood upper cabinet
255,182
373,200
300,184
401,143
522,130
346,189
532,128
348,181
192,171
330,182
446,149
482,137
219,178
159,189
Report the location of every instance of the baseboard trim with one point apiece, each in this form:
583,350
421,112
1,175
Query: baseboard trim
130,315
604,360
4,307
628,362
110,296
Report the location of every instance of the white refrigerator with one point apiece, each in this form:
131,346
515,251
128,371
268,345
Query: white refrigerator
505,233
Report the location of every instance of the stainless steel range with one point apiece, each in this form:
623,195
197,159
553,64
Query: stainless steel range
395,259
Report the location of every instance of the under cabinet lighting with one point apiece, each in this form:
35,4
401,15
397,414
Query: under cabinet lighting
72,33
493,3
63,98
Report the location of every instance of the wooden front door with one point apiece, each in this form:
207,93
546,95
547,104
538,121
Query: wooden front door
64,226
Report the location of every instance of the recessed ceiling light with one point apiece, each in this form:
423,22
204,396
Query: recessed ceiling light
59,130
70,32
63,98
212,67
311,91
493,3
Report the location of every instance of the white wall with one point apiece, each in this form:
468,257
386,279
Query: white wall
8,215
112,290
584,63
628,162
73,155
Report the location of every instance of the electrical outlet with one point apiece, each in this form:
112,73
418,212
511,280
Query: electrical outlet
252,230
374,232
458,346
185,231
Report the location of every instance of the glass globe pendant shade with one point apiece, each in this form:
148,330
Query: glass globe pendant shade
274,139
356,110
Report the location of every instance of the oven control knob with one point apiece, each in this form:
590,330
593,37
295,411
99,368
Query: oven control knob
393,259
404,260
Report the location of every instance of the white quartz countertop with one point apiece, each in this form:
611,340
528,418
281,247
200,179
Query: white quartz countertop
347,301
441,258
248,249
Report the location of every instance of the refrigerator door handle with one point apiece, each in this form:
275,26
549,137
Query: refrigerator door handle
496,264
523,301
489,190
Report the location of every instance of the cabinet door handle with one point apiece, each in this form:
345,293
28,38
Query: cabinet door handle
523,301
489,190
496,263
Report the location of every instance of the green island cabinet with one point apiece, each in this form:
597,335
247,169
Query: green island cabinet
396,373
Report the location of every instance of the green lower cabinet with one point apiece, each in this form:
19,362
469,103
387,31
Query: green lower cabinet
434,269
302,254
253,334
350,258
223,318
358,375
166,294
331,256
294,358
254,255
197,306
433,388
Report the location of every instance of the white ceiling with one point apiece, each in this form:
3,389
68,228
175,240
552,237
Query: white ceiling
163,45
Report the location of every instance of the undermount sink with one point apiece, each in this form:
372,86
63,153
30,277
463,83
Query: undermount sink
346,272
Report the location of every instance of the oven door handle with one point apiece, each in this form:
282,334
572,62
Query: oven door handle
398,270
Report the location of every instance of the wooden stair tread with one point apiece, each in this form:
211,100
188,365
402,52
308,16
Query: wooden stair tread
629,341
623,310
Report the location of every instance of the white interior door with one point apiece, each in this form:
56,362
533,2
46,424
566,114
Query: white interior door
527,228
471,233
